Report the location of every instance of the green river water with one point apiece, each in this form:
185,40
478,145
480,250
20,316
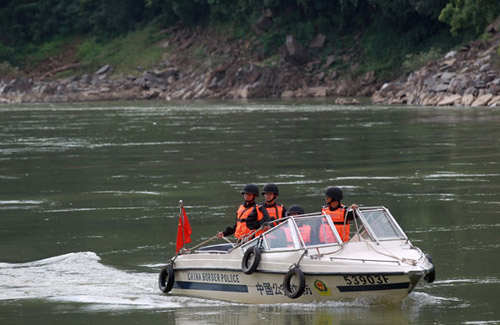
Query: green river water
89,202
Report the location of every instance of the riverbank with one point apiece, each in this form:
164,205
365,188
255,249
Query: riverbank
200,64
206,64
469,76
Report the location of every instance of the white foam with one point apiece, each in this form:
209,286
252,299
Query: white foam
127,192
81,278
458,175
15,202
455,282
368,178
421,299
91,209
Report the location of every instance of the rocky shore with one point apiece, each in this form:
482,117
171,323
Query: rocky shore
205,65
469,76
231,68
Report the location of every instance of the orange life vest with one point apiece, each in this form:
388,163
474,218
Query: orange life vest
241,222
338,217
274,212
326,234
305,233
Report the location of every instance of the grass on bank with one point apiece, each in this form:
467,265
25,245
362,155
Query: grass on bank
127,55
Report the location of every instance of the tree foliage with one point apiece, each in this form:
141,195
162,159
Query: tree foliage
410,22
463,15
34,20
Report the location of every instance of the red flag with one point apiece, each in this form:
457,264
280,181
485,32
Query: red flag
183,230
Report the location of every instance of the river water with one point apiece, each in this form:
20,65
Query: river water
89,202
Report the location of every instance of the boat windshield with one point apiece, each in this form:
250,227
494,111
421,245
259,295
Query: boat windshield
282,237
381,224
316,230
308,230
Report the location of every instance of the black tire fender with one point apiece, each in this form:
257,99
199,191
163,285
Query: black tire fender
166,278
294,294
249,269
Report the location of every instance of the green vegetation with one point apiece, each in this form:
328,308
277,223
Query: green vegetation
39,53
414,62
125,53
469,15
271,61
6,69
386,34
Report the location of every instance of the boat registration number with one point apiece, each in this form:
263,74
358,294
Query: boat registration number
365,279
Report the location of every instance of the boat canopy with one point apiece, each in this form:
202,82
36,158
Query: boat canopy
317,229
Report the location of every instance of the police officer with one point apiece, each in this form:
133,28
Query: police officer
339,214
295,210
246,216
271,210
305,229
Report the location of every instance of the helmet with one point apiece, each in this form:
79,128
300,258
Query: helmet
250,188
295,209
270,188
335,193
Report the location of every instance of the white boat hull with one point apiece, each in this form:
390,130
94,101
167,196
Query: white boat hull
327,277
266,288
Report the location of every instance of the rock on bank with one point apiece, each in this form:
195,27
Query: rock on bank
201,65
469,76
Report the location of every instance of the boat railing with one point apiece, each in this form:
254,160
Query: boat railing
223,248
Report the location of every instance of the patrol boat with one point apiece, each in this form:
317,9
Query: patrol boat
304,260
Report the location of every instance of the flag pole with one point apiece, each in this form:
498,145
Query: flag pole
181,205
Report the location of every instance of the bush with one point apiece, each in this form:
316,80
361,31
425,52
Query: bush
414,62
6,70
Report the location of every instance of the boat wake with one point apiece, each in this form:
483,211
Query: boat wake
81,278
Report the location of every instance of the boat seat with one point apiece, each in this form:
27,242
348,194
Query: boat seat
219,248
